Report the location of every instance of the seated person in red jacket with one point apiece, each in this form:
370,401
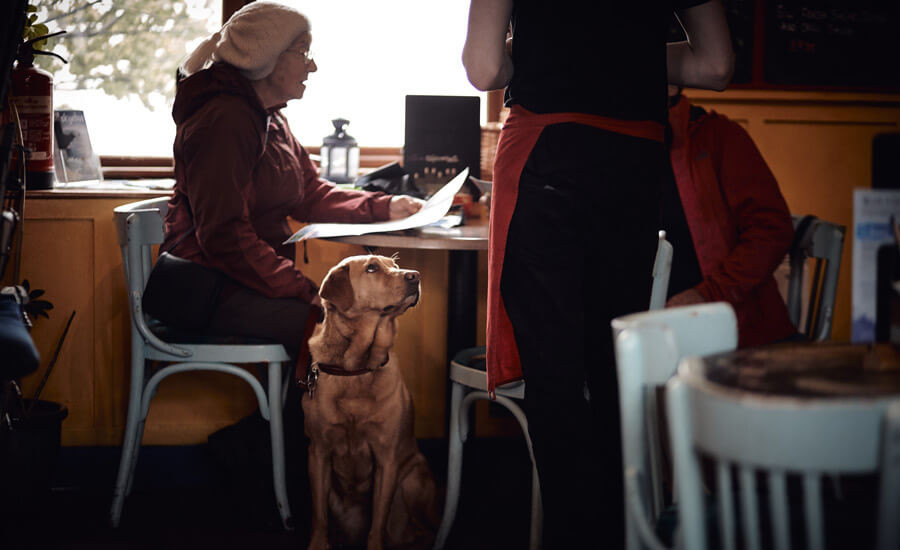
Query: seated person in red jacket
240,173
727,220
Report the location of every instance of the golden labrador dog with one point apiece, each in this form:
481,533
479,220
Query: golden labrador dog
370,484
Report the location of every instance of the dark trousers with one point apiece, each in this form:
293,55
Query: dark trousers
245,312
579,253
243,449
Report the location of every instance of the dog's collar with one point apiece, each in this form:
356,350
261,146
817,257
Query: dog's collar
312,374
339,371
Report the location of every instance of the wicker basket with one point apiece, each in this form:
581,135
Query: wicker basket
490,135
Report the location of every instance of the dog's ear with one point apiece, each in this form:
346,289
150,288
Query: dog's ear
337,289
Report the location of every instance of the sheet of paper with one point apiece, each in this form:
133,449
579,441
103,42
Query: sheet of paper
434,209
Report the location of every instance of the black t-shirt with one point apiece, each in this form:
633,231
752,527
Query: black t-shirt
602,58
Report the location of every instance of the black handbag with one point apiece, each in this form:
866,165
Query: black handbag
181,293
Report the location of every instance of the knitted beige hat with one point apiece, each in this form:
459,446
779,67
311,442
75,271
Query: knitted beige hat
251,40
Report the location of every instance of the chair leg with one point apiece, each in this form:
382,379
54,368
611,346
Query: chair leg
276,429
134,454
130,444
454,467
536,533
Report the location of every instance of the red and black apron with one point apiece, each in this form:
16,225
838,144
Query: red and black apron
517,139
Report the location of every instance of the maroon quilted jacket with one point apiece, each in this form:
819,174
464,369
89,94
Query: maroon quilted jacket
240,174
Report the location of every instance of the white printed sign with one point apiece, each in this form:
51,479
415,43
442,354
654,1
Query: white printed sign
872,212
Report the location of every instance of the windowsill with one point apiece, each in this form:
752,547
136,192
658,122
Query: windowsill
104,189
138,168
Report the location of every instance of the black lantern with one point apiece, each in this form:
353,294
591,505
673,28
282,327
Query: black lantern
340,154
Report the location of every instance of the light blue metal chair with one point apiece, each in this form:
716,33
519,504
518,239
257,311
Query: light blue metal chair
469,384
776,436
140,226
823,243
648,348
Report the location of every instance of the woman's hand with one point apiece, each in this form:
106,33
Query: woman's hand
686,298
403,206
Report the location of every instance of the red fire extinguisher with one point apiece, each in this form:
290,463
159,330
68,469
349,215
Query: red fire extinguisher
31,94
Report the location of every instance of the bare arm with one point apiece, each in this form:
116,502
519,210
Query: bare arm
487,62
706,59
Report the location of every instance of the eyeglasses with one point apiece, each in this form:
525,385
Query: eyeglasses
307,56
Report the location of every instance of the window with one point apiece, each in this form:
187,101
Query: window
123,56
371,55
122,60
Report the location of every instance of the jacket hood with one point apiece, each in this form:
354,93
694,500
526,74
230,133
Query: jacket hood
197,90
684,117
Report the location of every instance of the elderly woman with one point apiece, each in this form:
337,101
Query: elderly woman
240,173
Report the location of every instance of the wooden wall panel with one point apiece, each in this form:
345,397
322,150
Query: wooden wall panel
69,286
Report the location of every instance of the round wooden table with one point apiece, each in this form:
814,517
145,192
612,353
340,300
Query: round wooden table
809,370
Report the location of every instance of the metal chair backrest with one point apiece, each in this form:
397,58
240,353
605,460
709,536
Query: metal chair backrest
144,221
776,436
648,348
139,226
822,242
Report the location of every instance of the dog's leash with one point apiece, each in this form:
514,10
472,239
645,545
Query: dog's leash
304,359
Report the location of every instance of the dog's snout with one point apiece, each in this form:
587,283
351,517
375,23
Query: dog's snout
412,276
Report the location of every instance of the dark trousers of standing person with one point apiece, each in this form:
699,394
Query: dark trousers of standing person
579,253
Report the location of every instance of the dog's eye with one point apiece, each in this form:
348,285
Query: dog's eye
371,268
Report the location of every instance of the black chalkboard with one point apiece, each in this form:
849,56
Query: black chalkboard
443,136
842,43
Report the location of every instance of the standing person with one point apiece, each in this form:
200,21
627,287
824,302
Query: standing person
240,173
575,217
